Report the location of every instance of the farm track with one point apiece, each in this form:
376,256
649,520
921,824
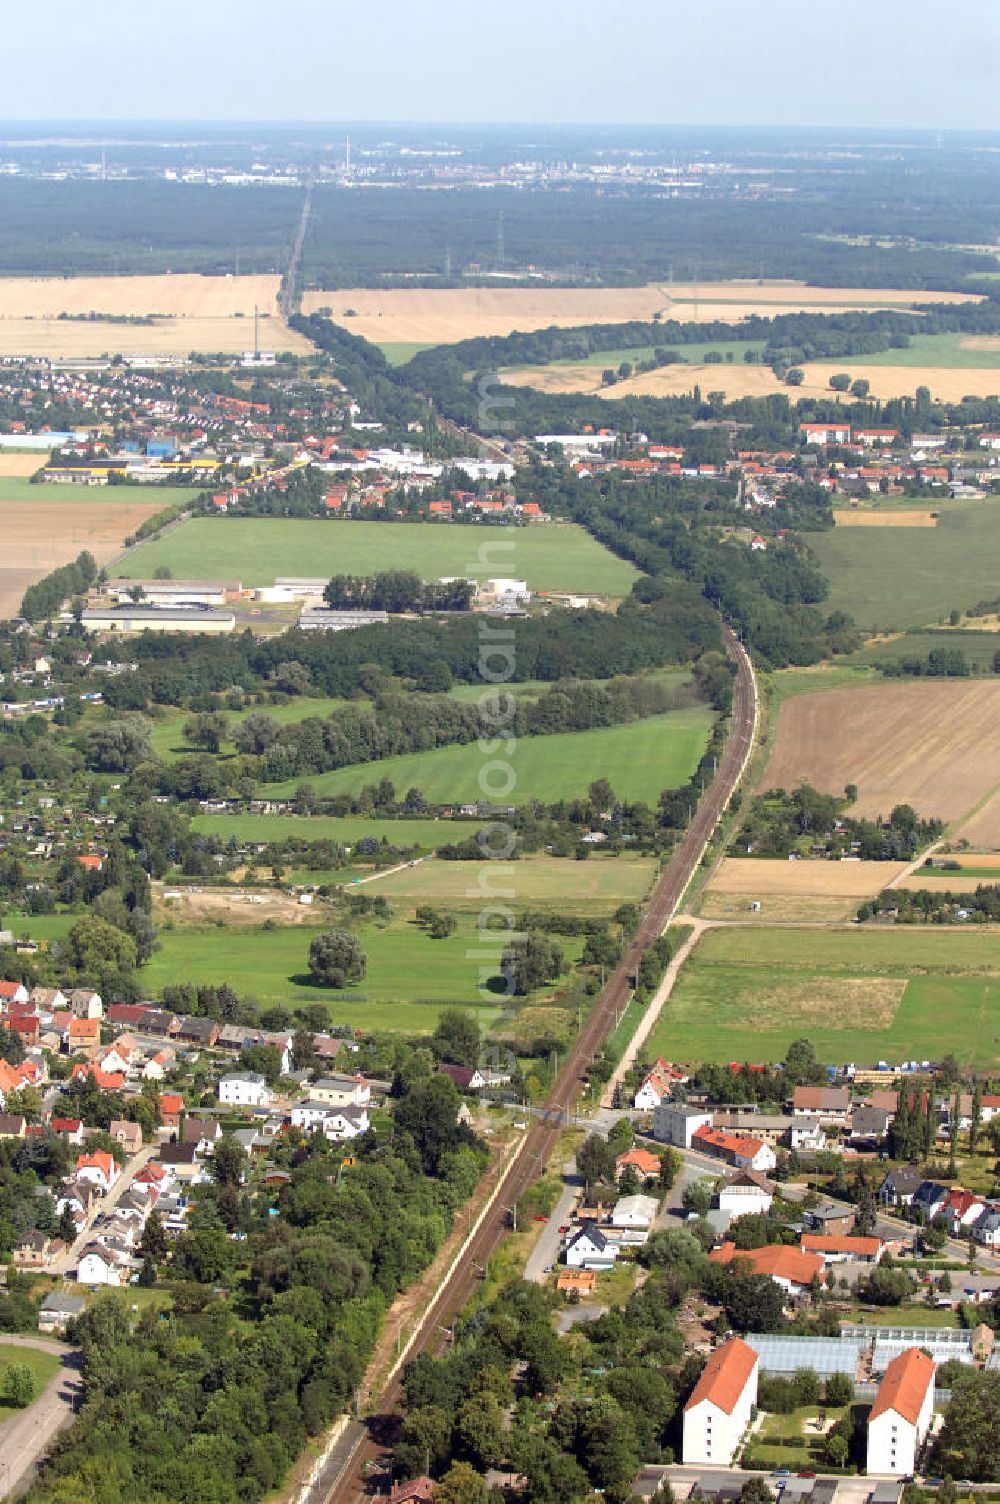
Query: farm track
361,1446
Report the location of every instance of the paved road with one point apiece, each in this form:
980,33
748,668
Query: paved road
25,1437
547,1246
69,1260
682,1479
541,1138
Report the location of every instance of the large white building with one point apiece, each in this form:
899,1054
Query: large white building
157,619
244,1089
901,1415
678,1122
718,1412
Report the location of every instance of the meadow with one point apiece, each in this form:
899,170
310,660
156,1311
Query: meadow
410,977
346,830
593,887
894,578
44,1366
861,995
559,556
953,351
640,759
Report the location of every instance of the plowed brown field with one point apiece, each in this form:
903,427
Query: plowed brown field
935,745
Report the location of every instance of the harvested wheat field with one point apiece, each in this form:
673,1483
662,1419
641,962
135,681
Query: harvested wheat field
933,744
444,315
190,312
21,465
739,380
821,879
40,535
906,518
983,829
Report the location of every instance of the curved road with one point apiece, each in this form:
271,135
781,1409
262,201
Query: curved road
359,1449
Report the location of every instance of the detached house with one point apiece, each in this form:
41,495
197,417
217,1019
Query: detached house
828,1103
738,1149
98,1266
99,1168
590,1249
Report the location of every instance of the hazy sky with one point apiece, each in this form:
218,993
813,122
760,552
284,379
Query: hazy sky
857,62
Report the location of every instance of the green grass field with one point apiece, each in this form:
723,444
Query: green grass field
861,995
347,830
167,736
409,979
978,647
596,886
43,1366
559,556
640,759
38,926
20,488
941,350
397,354
899,577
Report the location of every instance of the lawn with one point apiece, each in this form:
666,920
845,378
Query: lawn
397,354
254,550
899,577
640,759
410,977
861,995
20,488
167,736
40,927
346,830
596,886
44,1366
978,647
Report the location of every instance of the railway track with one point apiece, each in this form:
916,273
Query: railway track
363,1444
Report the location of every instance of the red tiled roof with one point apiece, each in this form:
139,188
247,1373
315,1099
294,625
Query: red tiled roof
725,1376
904,1385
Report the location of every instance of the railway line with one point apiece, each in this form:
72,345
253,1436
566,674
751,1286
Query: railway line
362,1444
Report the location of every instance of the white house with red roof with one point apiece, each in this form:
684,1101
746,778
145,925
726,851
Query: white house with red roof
718,1412
901,1415
741,1150
99,1168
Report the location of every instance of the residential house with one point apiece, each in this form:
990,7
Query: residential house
741,1150
658,1085
36,1250
987,1229
831,1219
900,1186
634,1214
181,1160
838,1248
129,1135
84,1037
831,1104
48,999
677,1123
901,1415
746,1193
414,1491
930,1198
806,1135
155,1066
789,1267
57,1310
13,1125
335,1123
869,1124
645,1164
99,1168
85,1004
465,1077
355,1091
244,1089
719,1409
204,1133
98,1266
198,1031
69,1128
171,1107
13,992
588,1248
961,1210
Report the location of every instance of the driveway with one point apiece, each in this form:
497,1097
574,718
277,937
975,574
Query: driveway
25,1437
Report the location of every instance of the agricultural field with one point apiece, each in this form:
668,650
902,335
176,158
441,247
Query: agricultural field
446,315
45,526
862,995
189,313
254,550
410,977
786,891
976,638
898,577
640,759
930,743
911,517
595,887
18,464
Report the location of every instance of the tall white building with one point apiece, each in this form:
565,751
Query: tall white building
901,1415
718,1412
